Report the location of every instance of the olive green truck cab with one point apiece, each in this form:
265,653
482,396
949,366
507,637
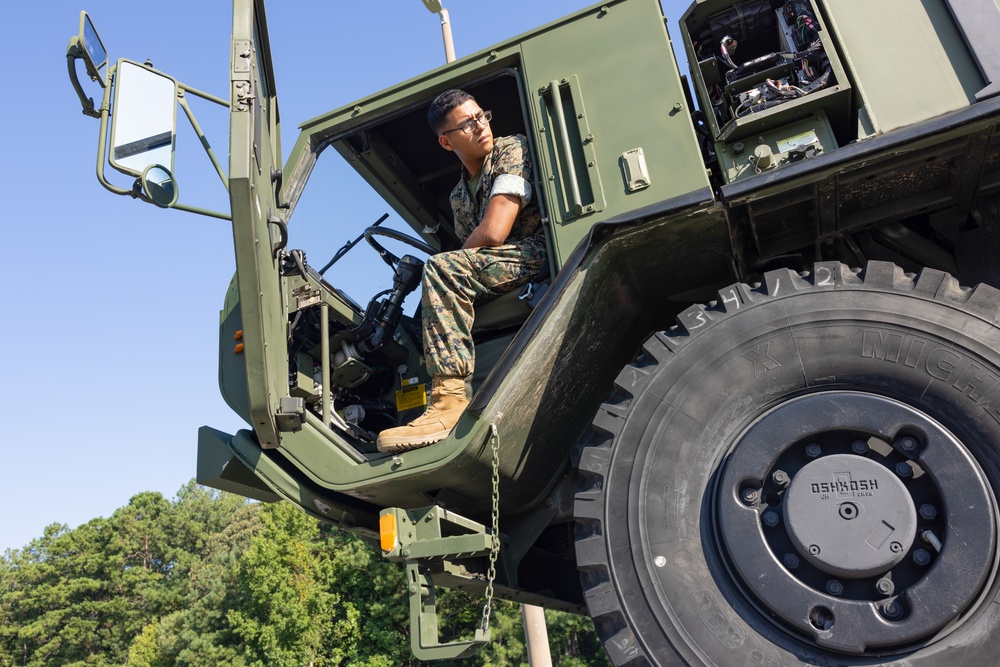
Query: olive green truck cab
750,416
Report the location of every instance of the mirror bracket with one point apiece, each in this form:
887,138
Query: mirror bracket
74,52
87,46
137,193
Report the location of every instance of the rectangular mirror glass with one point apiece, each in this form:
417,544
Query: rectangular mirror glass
94,54
144,120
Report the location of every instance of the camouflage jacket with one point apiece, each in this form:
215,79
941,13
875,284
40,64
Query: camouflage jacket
507,170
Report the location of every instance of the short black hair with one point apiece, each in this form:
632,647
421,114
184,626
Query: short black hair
443,104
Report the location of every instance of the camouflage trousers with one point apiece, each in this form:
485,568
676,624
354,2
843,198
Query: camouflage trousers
454,282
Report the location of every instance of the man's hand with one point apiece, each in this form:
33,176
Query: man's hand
495,227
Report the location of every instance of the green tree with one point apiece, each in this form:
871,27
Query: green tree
289,614
376,589
96,593
59,600
145,649
212,580
200,634
573,641
141,560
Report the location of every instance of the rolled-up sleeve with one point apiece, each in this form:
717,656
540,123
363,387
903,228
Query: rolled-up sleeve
512,169
509,184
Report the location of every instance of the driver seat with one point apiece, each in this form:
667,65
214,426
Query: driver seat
511,308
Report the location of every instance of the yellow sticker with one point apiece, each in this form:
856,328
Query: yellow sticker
414,396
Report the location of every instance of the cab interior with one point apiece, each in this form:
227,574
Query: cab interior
398,155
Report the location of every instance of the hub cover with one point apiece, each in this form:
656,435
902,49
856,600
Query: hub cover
850,516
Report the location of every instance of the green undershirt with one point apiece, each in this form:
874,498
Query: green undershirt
472,185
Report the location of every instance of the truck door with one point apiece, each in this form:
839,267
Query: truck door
258,220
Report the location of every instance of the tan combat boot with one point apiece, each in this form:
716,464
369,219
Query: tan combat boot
447,403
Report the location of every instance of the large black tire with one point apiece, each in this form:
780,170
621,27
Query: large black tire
803,472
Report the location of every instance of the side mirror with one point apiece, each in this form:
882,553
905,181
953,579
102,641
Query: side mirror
144,121
158,184
94,54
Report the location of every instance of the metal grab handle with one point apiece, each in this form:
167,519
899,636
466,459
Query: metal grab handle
576,203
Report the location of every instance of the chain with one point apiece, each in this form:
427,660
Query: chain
495,549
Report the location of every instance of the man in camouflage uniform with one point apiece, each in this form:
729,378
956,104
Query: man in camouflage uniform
503,248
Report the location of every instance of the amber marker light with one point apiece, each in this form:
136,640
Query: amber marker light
387,532
238,348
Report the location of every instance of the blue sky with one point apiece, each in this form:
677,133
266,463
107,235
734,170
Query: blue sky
108,339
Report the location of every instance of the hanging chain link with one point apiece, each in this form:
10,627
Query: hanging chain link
495,549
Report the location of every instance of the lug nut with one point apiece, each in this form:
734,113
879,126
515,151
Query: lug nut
791,561
834,587
928,511
892,611
884,586
813,450
859,447
748,495
907,445
903,469
771,519
780,478
921,558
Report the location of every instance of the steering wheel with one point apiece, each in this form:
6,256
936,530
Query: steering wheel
387,256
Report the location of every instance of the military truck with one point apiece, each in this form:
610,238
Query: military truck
751,416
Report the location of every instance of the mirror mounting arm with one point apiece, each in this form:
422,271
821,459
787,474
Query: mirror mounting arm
74,52
102,141
182,89
137,193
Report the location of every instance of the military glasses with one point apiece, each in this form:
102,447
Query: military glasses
469,126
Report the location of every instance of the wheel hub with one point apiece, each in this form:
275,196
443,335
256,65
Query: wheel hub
855,521
850,516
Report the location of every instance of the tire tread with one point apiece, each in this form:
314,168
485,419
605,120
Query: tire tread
598,445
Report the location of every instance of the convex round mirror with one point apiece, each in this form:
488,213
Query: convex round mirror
158,184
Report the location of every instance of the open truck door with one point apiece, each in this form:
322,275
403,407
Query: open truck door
258,225
253,374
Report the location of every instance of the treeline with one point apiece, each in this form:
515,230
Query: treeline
211,580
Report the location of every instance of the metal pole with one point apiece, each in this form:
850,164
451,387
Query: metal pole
449,45
536,636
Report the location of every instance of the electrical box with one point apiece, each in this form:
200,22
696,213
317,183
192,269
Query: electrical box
769,81
786,144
